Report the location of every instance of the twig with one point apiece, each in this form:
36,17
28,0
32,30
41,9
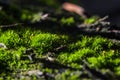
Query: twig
100,22
43,17
11,25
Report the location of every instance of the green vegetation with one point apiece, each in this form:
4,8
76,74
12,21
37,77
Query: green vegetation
30,47
97,51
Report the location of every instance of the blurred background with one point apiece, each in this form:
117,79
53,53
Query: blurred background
92,7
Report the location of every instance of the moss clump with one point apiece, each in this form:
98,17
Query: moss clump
45,42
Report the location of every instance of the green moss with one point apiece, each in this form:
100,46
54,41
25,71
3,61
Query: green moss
44,42
99,52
